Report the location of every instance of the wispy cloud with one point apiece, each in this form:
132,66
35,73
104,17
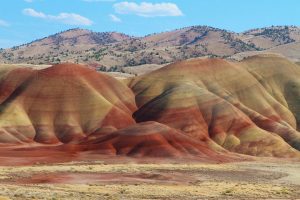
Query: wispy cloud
33,13
114,18
146,9
31,1
3,23
66,18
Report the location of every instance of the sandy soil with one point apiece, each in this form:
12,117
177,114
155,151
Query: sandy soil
164,180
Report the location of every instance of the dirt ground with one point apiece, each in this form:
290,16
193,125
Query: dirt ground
163,180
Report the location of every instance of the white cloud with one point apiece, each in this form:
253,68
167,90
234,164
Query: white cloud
31,12
114,18
72,19
146,9
3,23
66,18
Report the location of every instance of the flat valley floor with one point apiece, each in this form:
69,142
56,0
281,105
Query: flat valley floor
132,179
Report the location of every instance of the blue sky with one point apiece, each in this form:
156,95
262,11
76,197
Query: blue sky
22,21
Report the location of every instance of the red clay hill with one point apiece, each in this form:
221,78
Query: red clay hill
209,109
75,109
251,107
61,104
152,139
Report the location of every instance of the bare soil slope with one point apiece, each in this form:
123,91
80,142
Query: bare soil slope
61,104
205,109
249,107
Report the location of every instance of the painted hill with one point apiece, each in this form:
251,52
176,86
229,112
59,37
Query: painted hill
209,109
76,109
61,104
113,51
152,139
249,107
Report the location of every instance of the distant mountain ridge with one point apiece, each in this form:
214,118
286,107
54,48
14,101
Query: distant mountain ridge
111,51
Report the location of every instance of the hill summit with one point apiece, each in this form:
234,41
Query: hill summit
112,51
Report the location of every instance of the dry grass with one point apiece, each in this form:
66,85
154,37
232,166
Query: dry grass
159,181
